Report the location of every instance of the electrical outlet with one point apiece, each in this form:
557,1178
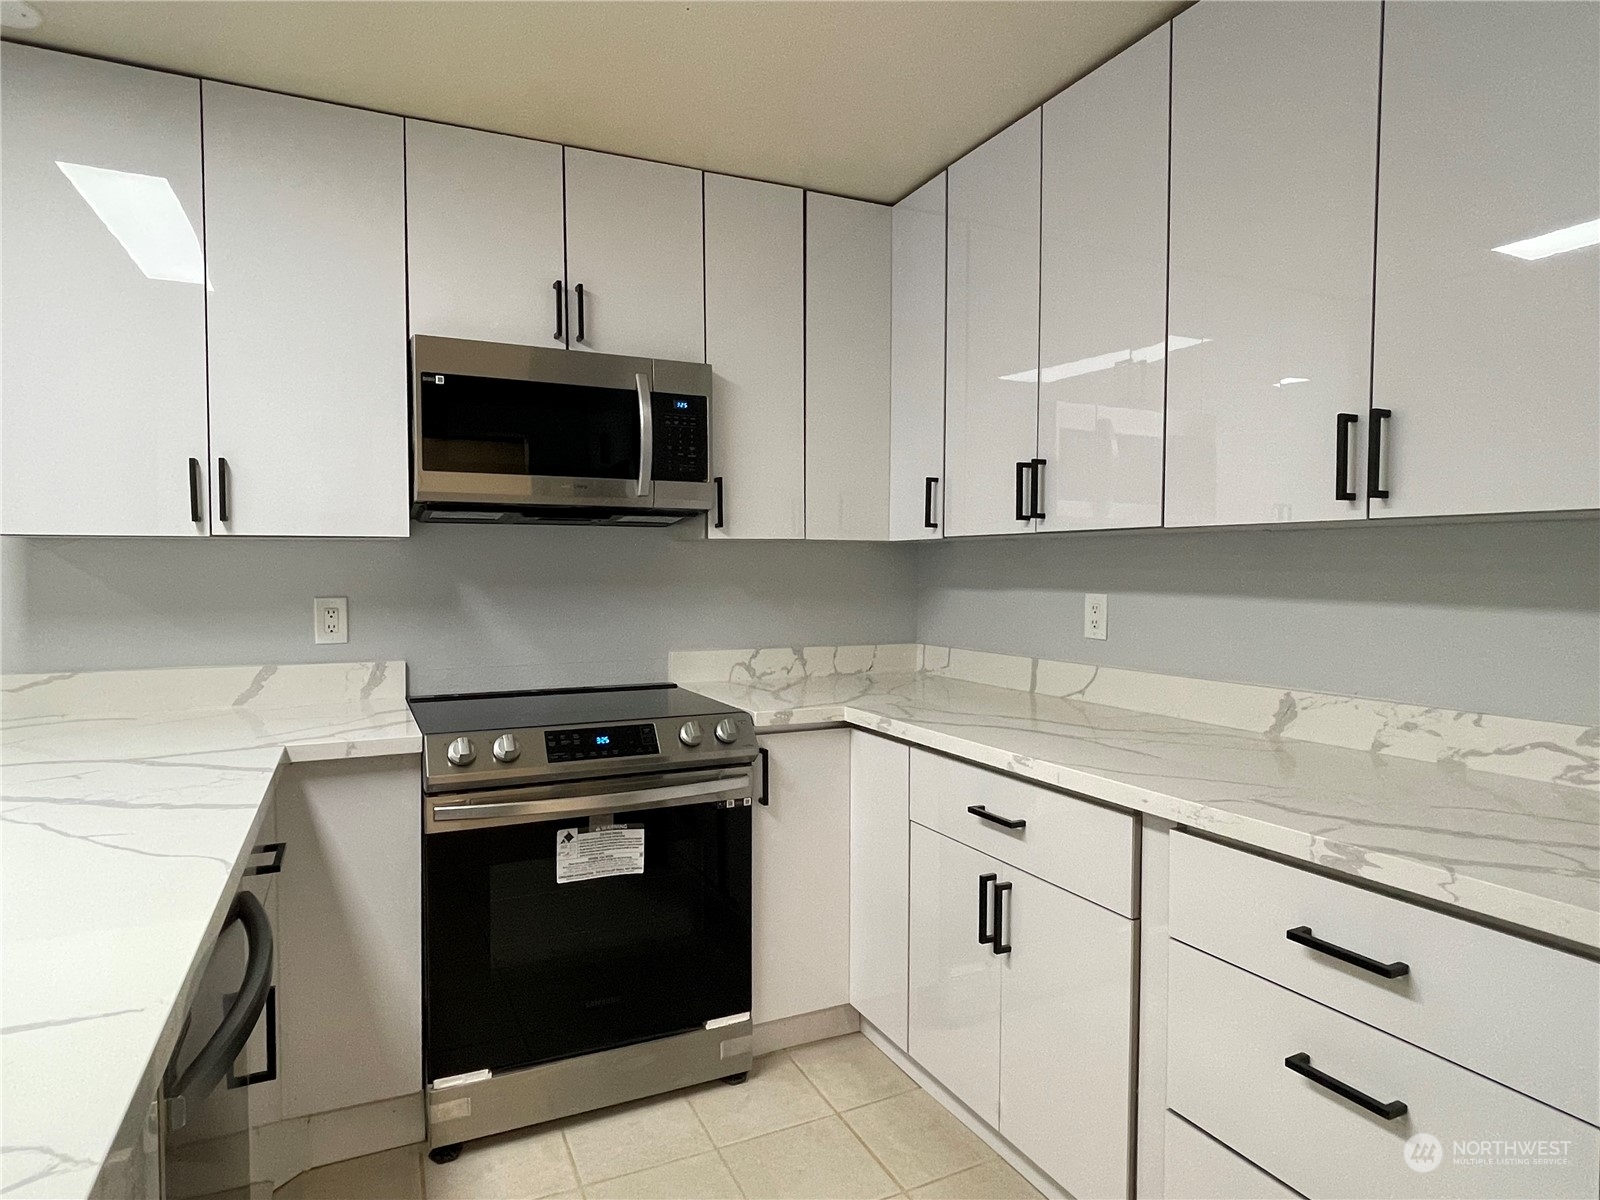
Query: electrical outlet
330,617
1094,616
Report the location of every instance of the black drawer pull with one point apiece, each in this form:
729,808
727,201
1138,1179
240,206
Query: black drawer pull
1035,487
194,490
1375,454
1023,512
1341,487
1300,1064
979,810
985,938
1302,935
1000,945
274,865
765,799
224,491
927,502
579,291
561,303
717,524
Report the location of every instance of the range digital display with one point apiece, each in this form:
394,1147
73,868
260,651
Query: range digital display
611,741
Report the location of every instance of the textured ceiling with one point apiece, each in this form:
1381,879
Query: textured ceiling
863,98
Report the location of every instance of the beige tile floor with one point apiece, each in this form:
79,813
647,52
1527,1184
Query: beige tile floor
834,1120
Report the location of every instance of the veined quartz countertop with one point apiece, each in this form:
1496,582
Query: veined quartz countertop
1518,851
129,801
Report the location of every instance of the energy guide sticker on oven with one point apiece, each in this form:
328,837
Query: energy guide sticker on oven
599,853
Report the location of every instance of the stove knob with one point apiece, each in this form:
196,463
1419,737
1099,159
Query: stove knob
691,734
727,730
461,752
506,748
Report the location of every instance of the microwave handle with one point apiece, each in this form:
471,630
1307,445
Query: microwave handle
647,436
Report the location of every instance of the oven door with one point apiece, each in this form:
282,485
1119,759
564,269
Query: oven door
529,958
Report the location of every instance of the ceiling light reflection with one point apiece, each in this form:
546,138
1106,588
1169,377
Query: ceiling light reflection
1104,362
143,213
1573,237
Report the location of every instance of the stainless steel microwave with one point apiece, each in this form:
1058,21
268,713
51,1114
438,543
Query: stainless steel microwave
504,433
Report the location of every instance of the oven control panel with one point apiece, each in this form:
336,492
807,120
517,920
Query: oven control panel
602,741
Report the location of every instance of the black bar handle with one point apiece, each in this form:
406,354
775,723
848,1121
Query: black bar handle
1375,454
927,502
1035,487
579,291
1389,1110
717,524
194,490
271,867
766,778
979,810
1341,487
1302,934
1000,945
224,486
985,938
269,1072
1022,477
561,303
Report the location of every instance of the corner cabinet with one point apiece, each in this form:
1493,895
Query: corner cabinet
485,247
1103,294
916,434
1269,330
635,257
306,316
103,421
880,882
755,344
992,334
1487,317
847,368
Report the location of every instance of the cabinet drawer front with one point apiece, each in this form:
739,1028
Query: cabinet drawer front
1508,1008
1229,1033
1077,845
1201,1168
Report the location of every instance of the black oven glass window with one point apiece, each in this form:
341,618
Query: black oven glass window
522,969
515,427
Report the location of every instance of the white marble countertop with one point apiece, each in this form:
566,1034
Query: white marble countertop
129,801
1519,851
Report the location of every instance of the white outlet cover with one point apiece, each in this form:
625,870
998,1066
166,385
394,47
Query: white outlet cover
1094,615
330,620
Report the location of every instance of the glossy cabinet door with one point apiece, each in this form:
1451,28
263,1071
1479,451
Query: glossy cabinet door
1485,338
847,368
992,331
1066,1045
954,1023
1103,293
916,433
484,242
801,904
755,343
880,881
1274,171
103,404
305,252
635,246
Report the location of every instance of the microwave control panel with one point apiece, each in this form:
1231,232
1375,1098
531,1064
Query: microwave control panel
682,438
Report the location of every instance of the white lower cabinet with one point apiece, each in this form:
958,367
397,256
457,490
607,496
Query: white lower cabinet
350,916
1022,1006
880,869
801,902
1201,1168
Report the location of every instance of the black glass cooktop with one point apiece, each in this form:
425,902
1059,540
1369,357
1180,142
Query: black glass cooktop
466,713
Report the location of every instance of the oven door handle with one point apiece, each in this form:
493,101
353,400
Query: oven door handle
733,786
647,437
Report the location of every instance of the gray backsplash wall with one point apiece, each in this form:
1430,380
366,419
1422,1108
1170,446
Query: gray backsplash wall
1500,617
466,606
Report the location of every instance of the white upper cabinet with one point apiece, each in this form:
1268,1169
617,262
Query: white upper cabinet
1103,293
103,407
755,343
1487,317
635,248
847,368
992,334
305,251
484,244
916,434
1274,170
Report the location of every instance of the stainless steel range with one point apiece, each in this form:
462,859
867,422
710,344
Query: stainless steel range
586,891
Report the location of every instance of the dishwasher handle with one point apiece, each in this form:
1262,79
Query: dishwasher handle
215,1059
